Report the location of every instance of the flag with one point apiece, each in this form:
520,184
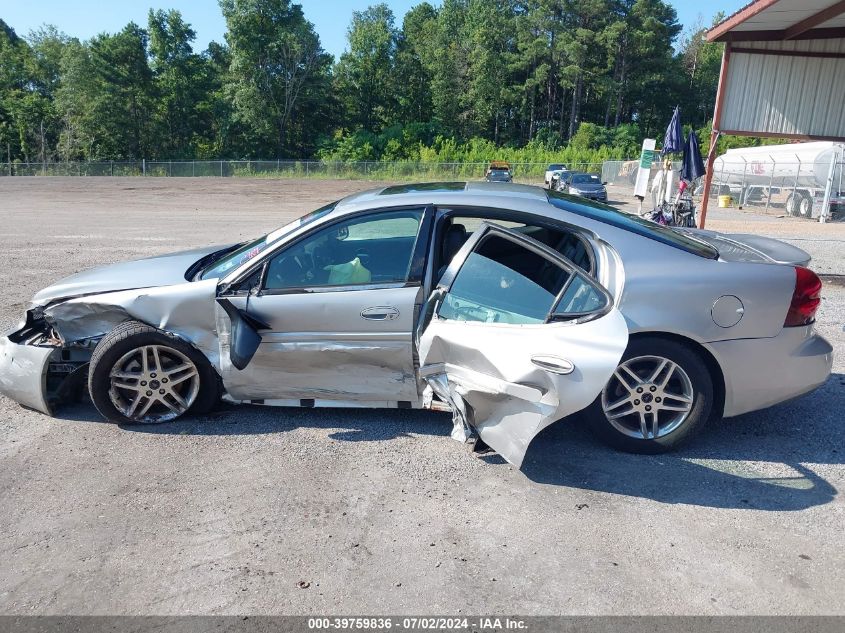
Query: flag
674,139
693,165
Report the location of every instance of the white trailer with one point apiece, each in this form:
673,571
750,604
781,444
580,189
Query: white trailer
801,170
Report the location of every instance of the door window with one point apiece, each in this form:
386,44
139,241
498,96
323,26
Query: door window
371,249
503,281
568,244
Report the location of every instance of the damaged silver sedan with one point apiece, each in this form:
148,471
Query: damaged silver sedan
511,306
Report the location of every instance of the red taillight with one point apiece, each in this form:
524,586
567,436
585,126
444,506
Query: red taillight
805,298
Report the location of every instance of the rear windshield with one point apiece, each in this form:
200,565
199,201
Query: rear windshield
555,166
634,224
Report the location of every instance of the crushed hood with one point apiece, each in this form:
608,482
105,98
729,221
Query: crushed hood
163,270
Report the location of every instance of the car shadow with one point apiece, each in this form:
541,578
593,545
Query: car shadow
348,425
763,460
759,461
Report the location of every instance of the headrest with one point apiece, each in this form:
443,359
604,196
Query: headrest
455,237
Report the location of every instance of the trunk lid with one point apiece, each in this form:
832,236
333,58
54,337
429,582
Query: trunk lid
743,247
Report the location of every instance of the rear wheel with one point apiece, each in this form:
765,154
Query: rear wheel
659,396
141,375
794,203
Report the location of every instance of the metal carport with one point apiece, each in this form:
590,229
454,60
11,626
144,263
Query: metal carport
783,74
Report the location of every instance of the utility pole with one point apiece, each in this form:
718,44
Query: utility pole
43,155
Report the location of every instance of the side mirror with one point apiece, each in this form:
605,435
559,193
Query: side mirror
342,233
244,338
605,184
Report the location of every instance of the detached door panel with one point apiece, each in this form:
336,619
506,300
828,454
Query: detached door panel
517,343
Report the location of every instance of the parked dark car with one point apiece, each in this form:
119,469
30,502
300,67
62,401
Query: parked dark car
587,186
498,171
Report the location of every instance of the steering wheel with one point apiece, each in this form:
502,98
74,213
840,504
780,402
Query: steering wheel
289,271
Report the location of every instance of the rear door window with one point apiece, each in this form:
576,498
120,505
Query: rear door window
504,281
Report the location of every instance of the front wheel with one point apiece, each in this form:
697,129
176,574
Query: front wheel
793,204
141,375
660,395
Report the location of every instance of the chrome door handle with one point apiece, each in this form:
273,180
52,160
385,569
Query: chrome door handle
553,364
380,313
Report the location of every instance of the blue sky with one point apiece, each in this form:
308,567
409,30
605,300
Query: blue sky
85,18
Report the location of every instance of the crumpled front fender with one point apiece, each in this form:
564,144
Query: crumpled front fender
186,310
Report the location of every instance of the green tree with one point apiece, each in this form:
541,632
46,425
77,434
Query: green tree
181,83
106,97
214,110
364,76
489,31
652,71
700,62
411,76
277,65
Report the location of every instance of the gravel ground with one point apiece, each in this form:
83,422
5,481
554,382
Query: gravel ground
291,511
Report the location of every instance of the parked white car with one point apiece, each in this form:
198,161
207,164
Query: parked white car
551,169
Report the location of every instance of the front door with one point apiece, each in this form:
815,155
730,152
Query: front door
516,337
335,315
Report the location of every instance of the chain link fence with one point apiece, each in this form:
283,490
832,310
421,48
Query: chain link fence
802,189
810,190
361,170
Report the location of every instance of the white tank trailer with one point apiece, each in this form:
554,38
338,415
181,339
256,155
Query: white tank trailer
800,170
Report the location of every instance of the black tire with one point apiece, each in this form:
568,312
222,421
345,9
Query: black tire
793,204
805,207
702,400
130,335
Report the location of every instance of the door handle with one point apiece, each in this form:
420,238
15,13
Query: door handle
553,364
380,313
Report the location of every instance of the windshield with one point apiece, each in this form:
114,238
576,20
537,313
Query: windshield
242,254
585,179
633,223
555,167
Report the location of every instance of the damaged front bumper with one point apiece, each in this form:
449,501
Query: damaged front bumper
35,371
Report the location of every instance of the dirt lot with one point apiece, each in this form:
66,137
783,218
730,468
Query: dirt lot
254,510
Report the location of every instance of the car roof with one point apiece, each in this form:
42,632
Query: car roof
429,192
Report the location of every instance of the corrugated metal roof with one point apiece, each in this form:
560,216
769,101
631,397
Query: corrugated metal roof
777,16
784,14
786,94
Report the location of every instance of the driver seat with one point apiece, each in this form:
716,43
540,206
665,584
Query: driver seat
455,237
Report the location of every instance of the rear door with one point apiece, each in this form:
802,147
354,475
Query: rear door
516,337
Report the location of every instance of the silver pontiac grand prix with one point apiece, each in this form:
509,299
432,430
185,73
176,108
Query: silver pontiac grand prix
509,305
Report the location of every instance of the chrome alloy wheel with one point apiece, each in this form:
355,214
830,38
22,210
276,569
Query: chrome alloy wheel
153,383
647,397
